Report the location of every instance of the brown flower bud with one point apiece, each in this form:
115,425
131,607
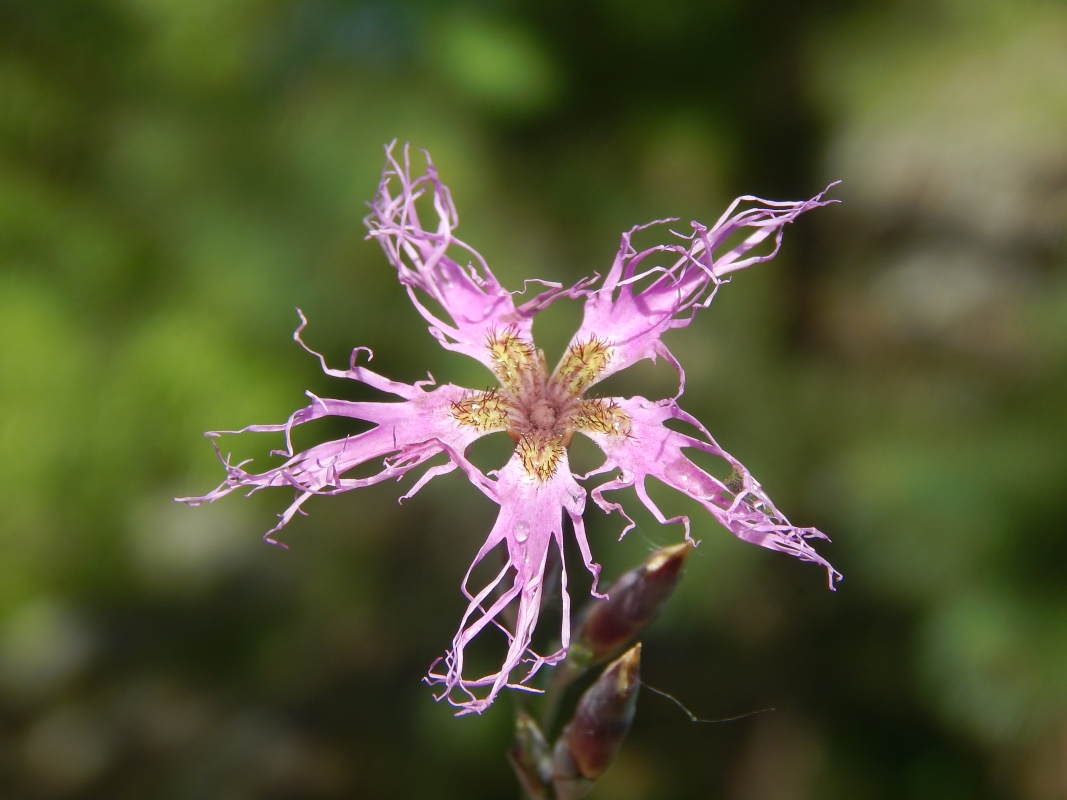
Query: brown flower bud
529,757
634,601
601,721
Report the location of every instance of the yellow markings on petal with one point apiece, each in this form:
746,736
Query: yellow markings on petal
601,416
486,411
581,365
540,452
512,357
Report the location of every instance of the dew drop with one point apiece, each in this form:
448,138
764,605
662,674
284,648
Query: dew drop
522,531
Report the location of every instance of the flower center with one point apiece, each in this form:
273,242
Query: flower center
542,412
543,415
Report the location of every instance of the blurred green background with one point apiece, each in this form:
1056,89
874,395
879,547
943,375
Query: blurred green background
177,175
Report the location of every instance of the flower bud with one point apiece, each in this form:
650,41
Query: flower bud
529,757
601,721
634,601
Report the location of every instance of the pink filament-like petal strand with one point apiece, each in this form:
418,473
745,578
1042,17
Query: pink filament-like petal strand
640,298
406,435
738,502
530,520
475,303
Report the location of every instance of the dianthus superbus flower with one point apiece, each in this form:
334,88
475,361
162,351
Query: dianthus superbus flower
644,294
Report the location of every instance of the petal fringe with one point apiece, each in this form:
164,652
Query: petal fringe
636,303
406,435
530,520
738,503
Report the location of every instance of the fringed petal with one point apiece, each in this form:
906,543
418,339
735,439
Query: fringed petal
640,299
406,435
530,519
738,502
478,307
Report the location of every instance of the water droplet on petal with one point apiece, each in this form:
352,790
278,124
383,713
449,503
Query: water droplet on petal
522,531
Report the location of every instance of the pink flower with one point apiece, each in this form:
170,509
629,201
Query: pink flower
643,295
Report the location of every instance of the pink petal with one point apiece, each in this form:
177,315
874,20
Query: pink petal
530,519
652,449
639,301
476,305
406,435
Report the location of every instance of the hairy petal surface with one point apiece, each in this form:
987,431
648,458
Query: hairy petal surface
530,520
738,502
477,306
639,299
